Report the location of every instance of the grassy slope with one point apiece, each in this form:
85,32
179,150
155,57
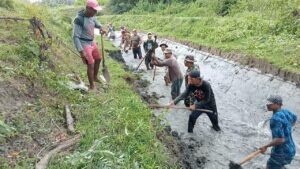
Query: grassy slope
117,133
265,29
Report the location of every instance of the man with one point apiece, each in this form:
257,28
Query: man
160,52
281,123
189,62
204,99
135,45
83,37
173,71
127,40
149,46
111,32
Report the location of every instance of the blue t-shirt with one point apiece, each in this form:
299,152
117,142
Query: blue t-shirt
281,126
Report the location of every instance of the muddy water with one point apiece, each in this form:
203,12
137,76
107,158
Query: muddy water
240,94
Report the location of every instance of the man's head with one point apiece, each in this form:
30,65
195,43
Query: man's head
195,78
189,61
163,46
149,35
134,31
168,53
274,102
92,7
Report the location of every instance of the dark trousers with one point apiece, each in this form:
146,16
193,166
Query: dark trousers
137,52
175,88
213,117
148,59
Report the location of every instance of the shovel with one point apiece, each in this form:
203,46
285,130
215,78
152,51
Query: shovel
234,165
104,67
177,107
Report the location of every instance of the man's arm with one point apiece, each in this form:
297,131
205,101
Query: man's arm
145,45
97,24
158,63
77,30
181,96
140,41
277,134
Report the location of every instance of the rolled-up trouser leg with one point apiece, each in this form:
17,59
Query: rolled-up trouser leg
192,120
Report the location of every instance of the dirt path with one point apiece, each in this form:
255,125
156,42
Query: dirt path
240,95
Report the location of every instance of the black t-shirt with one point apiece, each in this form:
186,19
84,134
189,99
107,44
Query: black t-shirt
203,94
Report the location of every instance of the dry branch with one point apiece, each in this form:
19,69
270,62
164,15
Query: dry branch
69,119
43,163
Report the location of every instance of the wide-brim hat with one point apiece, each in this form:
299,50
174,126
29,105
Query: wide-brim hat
163,44
189,58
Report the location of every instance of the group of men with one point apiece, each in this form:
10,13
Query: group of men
198,93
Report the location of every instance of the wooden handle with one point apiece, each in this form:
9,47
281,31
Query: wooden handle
177,107
250,157
102,50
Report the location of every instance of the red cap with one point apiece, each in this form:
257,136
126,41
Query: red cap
93,4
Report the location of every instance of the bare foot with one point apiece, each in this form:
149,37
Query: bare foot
97,80
92,88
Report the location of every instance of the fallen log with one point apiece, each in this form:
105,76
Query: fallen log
69,119
43,163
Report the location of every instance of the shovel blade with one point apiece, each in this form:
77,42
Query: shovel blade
106,74
233,165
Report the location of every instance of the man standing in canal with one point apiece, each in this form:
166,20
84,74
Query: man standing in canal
189,62
83,38
149,46
135,45
173,71
204,99
281,123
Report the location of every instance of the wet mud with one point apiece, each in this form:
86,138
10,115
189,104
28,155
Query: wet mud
240,92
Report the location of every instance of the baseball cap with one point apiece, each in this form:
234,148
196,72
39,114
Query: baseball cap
274,99
93,4
168,51
189,58
149,33
195,74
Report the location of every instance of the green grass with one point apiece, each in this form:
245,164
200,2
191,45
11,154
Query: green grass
117,129
263,29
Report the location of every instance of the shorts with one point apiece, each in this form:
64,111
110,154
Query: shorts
277,164
92,53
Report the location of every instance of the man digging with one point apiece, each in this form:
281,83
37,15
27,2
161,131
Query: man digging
189,62
83,38
173,71
204,99
281,123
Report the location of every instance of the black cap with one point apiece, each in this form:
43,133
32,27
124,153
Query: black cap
163,44
195,74
274,99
